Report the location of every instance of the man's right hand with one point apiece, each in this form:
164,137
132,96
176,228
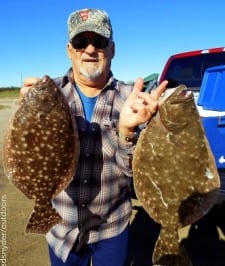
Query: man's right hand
28,82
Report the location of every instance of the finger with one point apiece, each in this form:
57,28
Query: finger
152,110
24,90
138,85
159,90
30,81
137,106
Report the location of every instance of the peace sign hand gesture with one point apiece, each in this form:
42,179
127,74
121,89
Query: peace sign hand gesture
139,107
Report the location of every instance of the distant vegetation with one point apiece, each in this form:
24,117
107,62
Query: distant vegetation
9,92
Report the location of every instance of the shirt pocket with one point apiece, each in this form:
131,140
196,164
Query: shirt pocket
109,137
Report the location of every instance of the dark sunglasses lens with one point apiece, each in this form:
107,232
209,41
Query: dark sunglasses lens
99,43
78,43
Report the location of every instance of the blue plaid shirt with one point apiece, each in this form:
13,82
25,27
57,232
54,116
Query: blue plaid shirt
97,203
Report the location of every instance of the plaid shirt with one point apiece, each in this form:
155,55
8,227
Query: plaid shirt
96,205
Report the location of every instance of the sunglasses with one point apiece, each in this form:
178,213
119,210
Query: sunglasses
98,42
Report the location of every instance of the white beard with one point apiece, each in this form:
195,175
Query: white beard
90,72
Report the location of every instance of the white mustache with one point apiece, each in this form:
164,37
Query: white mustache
88,58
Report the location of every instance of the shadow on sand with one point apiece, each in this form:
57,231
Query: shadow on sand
205,242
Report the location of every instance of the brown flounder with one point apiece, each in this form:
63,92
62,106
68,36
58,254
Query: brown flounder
175,175
41,150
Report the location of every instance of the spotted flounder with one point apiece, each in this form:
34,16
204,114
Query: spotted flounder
41,150
175,176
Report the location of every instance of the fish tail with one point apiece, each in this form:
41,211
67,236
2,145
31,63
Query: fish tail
169,251
42,219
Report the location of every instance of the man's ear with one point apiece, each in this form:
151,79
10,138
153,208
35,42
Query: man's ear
69,50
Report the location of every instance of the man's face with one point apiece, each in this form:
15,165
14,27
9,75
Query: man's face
91,56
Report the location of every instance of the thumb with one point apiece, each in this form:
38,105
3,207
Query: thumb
138,85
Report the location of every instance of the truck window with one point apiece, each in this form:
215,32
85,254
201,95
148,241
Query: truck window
190,70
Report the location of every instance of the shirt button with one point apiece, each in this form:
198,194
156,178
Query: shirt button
83,205
85,181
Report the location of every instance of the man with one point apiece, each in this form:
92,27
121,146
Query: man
96,206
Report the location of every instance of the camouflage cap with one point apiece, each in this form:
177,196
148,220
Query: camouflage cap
94,20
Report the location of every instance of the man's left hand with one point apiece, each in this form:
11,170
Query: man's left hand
139,107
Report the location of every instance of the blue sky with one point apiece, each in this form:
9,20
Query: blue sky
146,32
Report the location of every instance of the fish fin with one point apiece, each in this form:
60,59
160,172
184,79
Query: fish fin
168,251
42,219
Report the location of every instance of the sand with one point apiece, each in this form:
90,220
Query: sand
204,241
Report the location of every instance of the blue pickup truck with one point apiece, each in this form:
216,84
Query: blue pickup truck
203,72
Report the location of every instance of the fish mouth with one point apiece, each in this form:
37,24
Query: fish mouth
182,96
176,95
